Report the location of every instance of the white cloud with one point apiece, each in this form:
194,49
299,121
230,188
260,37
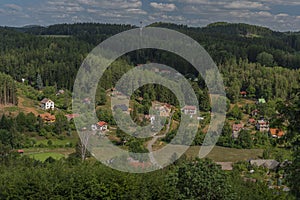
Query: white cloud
282,15
136,11
13,7
246,5
168,7
265,14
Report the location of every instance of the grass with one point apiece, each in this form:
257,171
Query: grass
11,109
223,154
57,142
43,156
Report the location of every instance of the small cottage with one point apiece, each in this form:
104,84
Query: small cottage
47,104
100,126
262,126
276,133
189,110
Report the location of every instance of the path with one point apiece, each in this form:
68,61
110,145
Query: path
26,109
154,139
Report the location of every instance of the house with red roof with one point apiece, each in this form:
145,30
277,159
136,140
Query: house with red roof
276,133
236,128
189,110
100,126
251,121
71,116
243,93
262,126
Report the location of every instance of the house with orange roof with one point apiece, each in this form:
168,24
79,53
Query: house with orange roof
276,133
236,128
243,93
47,117
100,126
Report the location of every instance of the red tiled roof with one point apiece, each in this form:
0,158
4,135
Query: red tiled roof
243,92
237,127
252,120
48,117
189,107
71,116
102,123
276,132
45,100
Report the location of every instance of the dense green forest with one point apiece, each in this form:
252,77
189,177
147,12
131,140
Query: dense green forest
8,94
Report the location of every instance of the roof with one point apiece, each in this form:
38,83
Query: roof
237,127
123,107
243,92
251,120
276,132
20,151
261,122
45,100
189,108
102,123
225,165
72,116
270,164
47,117
261,100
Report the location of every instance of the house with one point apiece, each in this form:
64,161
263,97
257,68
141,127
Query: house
254,112
20,151
164,111
60,92
227,166
47,104
262,126
47,117
251,121
155,69
122,107
243,93
86,100
276,133
236,128
71,116
270,164
165,71
151,118
189,110
100,126
261,101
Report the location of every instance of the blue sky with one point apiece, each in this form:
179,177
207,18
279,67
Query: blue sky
280,15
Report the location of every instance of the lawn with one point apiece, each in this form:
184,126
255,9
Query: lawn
43,156
223,154
57,142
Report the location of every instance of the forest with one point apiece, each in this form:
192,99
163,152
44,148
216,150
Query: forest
37,61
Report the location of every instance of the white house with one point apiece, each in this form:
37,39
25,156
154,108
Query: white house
47,104
100,126
189,110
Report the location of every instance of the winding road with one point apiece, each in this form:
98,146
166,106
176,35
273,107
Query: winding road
154,139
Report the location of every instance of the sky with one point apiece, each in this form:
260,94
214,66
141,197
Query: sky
281,15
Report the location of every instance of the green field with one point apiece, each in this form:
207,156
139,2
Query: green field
223,154
57,142
43,156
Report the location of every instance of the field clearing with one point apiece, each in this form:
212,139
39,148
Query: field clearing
57,142
43,156
223,154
